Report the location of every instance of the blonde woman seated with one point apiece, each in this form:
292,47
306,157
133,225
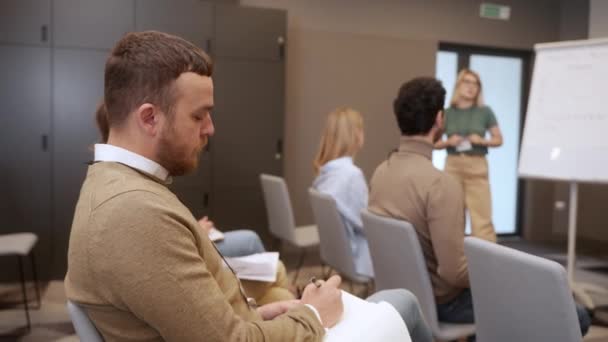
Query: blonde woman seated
337,176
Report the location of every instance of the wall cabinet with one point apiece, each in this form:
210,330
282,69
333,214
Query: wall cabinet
25,166
52,56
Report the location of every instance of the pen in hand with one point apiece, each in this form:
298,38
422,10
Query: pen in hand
326,298
315,281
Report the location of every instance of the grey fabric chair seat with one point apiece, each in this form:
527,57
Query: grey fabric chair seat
518,296
399,263
85,329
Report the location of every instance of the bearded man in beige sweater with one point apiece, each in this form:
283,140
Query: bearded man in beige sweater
137,262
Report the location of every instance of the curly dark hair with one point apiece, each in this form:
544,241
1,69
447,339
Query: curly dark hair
417,104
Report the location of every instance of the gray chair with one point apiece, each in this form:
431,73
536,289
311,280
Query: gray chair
518,296
280,218
84,327
21,246
334,243
399,263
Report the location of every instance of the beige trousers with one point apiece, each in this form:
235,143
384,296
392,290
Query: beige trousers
265,293
472,173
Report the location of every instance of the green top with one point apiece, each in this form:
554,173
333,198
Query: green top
464,122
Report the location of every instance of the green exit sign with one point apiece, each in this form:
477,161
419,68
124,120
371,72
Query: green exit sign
494,11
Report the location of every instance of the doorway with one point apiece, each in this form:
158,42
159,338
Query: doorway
505,75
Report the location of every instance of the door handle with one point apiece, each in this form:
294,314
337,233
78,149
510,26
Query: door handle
44,33
206,200
281,44
279,152
45,142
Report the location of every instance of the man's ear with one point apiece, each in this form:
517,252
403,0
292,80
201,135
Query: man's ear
148,118
439,119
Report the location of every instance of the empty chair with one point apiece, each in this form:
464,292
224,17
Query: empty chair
21,245
334,242
518,296
84,327
280,218
399,263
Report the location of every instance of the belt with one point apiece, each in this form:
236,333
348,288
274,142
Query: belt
463,154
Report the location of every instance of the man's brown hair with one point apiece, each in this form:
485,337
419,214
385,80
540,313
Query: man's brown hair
141,69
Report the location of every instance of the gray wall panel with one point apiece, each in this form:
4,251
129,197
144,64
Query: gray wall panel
23,21
78,88
189,19
251,33
92,23
249,110
25,165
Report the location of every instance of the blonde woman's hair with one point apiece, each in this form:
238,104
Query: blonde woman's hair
478,101
341,136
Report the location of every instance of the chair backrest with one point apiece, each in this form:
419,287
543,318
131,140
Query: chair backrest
84,327
278,207
518,296
398,261
334,242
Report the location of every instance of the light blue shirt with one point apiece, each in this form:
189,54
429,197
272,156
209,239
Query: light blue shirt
345,182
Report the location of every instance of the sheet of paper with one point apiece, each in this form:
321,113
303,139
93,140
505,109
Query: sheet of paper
464,146
215,235
260,266
366,321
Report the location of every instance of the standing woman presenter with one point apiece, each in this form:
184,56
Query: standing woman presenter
466,124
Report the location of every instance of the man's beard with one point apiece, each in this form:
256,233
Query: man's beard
175,158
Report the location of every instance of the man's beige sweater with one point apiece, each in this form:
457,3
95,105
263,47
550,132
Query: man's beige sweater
408,187
139,267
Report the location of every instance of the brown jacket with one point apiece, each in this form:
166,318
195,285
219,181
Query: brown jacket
138,265
408,187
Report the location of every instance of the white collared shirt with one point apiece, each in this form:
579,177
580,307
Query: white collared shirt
111,153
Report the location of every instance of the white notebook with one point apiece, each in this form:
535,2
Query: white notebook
260,266
367,321
215,235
